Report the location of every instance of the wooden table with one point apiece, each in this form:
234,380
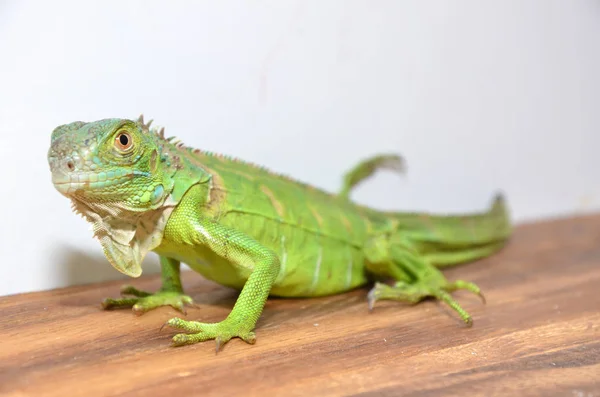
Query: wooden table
539,334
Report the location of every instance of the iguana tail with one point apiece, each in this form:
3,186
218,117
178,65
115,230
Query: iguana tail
444,239
451,239
368,167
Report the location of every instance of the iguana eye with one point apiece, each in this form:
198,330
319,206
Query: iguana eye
123,141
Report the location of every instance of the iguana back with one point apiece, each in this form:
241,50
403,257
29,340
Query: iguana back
321,236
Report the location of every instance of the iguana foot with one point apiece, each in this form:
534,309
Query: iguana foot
143,301
221,332
414,293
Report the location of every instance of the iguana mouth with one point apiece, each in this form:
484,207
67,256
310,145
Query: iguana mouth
70,183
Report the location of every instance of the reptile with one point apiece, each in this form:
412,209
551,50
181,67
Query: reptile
254,230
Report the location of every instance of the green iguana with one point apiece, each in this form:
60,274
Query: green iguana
253,230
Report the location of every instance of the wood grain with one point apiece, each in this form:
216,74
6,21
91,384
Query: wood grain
538,335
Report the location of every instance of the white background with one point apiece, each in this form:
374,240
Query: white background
478,96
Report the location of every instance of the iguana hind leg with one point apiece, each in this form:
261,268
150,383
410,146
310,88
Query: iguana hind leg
170,294
416,278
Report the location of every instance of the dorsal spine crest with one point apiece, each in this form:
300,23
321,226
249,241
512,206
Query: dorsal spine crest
178,144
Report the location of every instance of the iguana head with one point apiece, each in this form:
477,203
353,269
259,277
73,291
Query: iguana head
123,178
113,162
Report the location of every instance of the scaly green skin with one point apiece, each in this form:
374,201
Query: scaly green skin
247,228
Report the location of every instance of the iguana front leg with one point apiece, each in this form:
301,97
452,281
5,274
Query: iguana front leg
170,293
249,256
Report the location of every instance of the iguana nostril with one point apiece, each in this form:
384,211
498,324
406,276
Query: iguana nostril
70,165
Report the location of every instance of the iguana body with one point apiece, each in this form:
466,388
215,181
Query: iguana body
250,229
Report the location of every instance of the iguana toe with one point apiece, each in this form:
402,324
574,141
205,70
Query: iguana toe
221,332
414,293
144,301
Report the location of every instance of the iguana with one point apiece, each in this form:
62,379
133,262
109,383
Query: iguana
245,227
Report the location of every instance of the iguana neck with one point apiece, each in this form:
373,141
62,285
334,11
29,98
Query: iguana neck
127,236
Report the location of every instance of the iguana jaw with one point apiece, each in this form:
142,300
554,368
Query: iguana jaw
68,184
